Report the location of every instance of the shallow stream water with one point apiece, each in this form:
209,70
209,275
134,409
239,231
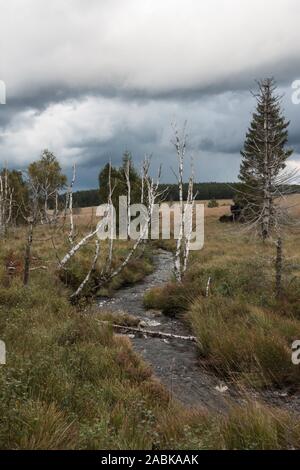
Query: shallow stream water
174,362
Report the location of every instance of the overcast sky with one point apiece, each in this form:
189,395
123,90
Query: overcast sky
89,79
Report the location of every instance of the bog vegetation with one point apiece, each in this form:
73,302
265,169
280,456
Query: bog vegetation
70,382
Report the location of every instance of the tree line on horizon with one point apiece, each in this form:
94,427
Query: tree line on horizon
205,192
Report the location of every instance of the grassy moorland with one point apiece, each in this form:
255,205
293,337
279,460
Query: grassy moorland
70,383
244,332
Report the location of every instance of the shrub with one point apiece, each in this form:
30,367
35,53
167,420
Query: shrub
212,203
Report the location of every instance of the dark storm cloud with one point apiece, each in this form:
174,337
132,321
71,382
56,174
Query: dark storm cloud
91,79
224,147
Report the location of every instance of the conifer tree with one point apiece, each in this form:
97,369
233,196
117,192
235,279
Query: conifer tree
263,159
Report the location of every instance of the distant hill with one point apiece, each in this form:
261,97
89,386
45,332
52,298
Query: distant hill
205,191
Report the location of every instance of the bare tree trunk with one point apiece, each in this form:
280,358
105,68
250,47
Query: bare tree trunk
77,247
10,206
180,149
46,208
278,268
55,215
142,183
186,210
2,228
188,221
70,192
6,203
267,171
152,195
27,258
109,273
154,334
111,238
87,278
127,176
208,287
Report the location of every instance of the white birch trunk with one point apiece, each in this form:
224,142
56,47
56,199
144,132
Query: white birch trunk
70,198
87,278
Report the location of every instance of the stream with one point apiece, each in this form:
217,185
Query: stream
174,362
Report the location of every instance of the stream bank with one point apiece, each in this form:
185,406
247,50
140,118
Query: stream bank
174,362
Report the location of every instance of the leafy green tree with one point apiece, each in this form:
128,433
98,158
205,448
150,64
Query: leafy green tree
47,177
20,194
19,190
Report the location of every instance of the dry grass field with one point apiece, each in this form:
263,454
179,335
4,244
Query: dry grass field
70,383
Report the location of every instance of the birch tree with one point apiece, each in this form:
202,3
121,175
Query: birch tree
69,206
32,216
186,207
127,168
152,194
46,174
6,202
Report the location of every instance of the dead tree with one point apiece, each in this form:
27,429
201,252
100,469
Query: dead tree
32,216
266,182
108,273
87,277
128,185
6,202
77,247
186,207
263,163
152,195
27,254
111,215
278,268
69,204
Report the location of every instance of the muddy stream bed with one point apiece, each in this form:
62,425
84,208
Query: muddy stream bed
176,362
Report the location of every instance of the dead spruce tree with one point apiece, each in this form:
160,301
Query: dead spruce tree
185,207
263,161
107,221
265,182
